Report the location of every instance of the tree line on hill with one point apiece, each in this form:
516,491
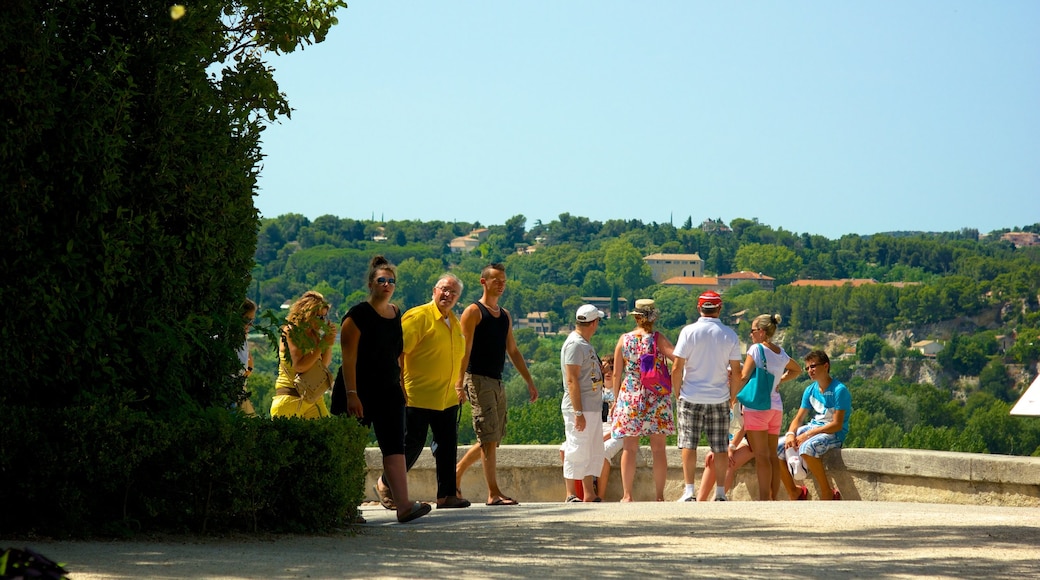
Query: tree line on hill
963,288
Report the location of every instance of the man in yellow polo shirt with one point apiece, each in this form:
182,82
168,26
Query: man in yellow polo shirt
433,349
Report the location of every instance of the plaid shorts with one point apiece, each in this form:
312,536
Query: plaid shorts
814,446
697,417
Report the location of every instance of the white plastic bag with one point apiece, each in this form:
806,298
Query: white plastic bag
736,421
794,463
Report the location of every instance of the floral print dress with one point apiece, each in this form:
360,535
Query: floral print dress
638,411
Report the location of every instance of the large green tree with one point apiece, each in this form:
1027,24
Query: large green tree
128,161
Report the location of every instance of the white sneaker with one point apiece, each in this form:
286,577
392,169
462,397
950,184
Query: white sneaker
721,498
686,497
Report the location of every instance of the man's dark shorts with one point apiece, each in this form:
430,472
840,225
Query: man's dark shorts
488,399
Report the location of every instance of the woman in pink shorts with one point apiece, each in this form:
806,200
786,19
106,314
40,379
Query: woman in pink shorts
763,427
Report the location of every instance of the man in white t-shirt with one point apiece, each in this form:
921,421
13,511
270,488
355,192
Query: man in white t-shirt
707,365
582,403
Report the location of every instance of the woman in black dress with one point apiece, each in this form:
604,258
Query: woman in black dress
372,342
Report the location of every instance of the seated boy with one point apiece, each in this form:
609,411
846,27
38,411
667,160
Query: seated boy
832,403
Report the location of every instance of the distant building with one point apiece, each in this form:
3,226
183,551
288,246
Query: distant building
603,303
927,347
1005,341
665,266
468,243
715,226
729,280
690,282
1022,239
537,321
835,283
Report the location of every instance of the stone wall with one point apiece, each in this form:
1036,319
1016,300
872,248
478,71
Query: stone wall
534,473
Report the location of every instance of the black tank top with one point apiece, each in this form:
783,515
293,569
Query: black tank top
488,355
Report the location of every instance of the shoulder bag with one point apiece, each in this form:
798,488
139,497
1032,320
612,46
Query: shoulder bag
312,384
757,394
653,373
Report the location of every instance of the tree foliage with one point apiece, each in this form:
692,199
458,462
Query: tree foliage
129,158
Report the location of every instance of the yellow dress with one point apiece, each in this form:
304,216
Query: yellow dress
293,406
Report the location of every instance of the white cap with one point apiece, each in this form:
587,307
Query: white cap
588,313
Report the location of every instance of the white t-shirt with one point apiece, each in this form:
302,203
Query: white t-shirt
708,347
774,364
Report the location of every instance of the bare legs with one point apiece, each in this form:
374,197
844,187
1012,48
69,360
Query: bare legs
689,465
764,445
396,476
657,452
471,457
629,449
815,467
707,489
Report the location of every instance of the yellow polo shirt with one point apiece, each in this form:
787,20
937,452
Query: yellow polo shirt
432,355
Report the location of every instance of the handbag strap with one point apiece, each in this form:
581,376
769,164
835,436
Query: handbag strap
762,351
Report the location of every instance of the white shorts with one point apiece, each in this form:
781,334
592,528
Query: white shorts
582,451
611,446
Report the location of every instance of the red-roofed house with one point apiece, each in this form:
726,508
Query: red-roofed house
728,280
691,282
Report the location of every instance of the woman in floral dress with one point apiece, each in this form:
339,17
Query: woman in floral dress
639,412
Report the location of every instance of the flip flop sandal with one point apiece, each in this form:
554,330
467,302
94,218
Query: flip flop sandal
419,509
386,499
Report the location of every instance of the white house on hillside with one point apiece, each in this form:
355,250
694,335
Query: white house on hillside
927,347
665,266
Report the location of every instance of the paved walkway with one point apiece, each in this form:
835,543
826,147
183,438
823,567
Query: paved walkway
719,540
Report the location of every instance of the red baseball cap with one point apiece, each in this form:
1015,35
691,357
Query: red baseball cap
709,301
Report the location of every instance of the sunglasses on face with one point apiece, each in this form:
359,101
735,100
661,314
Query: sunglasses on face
382,280
814,365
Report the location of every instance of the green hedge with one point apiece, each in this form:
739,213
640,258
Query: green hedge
115,471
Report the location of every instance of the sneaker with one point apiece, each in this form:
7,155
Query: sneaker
686,497
837,494
572,499
721,498
803,493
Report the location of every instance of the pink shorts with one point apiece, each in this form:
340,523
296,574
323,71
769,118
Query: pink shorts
763,421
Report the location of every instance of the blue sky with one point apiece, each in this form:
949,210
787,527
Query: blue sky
821,117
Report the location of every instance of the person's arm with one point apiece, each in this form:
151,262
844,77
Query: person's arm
832,427
665,347
749,369
619,365
734,380
678,368
791,371
574,390
518,362
303,360
791,439
468,323
349,337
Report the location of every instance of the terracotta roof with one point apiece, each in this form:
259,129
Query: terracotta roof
673,257
742,275
692,281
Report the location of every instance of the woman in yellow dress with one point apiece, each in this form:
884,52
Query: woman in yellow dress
307,340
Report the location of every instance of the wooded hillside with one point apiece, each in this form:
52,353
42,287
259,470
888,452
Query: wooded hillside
974,293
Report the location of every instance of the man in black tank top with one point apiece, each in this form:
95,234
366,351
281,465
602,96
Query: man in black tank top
489,338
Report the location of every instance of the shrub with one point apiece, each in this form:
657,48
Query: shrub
111,470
